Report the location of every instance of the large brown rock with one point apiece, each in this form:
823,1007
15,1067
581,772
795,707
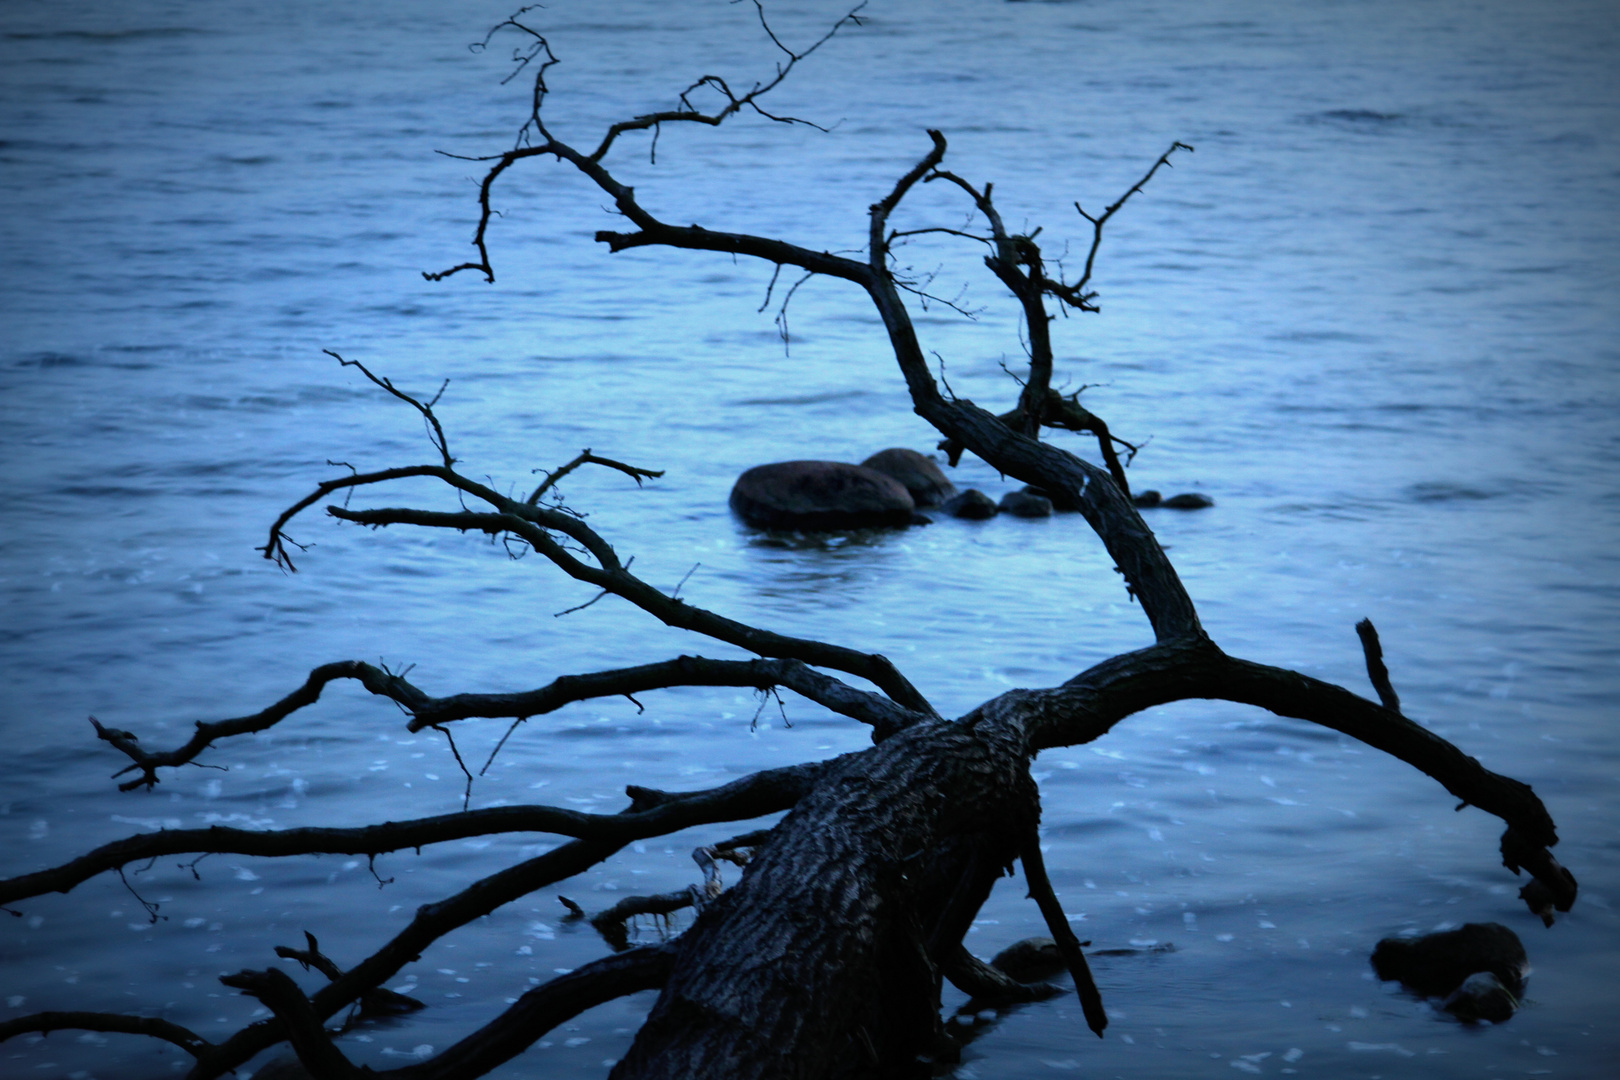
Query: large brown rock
820,495
927,483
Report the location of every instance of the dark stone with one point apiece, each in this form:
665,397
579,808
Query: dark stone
1025,504
1058,500
1145,950
921,476
1031,960
972,504
1540,900
381,1001
1147,499
1188,501
820,495
1481,997
1437,964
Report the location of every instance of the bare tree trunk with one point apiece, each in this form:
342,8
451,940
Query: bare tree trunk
823,960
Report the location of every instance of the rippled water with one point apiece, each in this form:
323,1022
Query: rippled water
1372,316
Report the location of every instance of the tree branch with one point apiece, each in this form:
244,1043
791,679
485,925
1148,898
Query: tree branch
884,715
588,458
542,1009
1077,290
988,985
590,164
752,796
1040,890
515,518
44,1023
661,813
1377,673
278,993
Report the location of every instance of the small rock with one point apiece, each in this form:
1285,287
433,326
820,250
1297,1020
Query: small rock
819,495
381,1001
1540,900
921,476
1166,947
1481,997
1031,960
1147,499
972,504
1024,504
1437,964
1059,501
1187,501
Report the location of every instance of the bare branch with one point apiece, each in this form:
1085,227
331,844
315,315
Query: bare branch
299,1021
1088,705
541,1010
373,678
1040,890
1376,671
378,1001
654,814
752,796
44,1023
517,519
611,922
435,432
590,164
1067,413
588,458
1077,290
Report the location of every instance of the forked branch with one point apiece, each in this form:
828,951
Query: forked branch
541,55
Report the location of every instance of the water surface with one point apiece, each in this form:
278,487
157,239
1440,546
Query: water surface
1372,316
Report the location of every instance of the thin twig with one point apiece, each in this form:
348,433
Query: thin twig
466,795
436,432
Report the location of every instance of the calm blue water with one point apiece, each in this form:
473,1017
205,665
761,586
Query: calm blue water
1372,316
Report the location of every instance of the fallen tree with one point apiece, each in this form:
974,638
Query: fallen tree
827,958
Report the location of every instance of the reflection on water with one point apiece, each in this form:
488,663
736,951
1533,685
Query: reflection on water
1371,316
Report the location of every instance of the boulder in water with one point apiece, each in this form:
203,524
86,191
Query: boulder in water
1481,997
1026,504
821,495
1436,964
920,474
1031,960
972,504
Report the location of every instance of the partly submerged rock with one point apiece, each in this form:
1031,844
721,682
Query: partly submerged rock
821,495
972,504
1026,504
1156,948
1189,500
920,474
1031,960
1060,502
1481,997
1436,964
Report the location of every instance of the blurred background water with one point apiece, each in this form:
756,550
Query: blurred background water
1372,316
